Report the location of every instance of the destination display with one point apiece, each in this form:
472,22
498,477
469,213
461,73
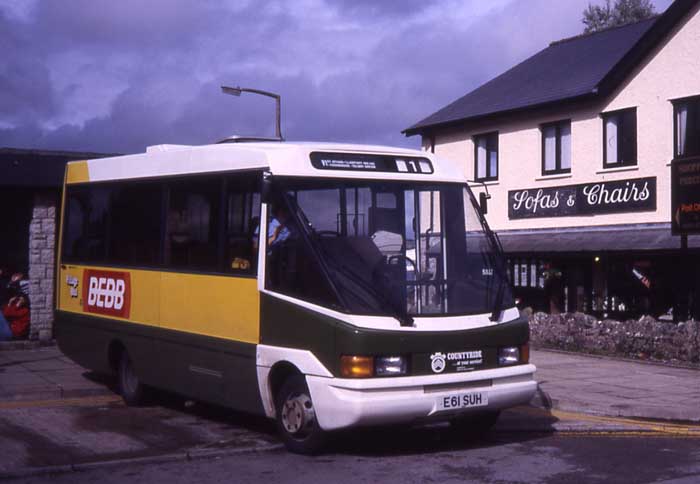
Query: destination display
685,197
362,162
619,196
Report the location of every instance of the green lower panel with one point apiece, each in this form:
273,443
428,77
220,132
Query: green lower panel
287,324
209,369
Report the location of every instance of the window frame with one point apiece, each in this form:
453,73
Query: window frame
558,170
621,129
224,180
487,169
230,182
676,103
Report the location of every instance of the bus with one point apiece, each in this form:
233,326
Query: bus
325,286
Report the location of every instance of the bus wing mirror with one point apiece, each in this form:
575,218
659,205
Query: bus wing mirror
483,202
266,188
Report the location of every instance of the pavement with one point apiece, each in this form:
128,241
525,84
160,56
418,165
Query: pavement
568,382
617,388
57,417
44,374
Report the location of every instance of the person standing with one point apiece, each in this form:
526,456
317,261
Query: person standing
18,285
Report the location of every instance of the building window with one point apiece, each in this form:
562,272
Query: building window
686,113
556,148
486,157
620,138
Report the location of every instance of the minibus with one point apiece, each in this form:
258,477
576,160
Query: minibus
325,286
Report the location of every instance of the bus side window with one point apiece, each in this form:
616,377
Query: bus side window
134,232
241,237
192,223
86,227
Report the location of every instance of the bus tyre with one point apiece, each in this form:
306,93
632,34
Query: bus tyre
296,418
475,425
132,390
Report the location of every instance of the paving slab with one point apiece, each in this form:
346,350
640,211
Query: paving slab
71,434
617,387
43,373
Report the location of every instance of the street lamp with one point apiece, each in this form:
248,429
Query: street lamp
236,91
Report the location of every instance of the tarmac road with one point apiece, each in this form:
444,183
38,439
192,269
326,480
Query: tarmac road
98,439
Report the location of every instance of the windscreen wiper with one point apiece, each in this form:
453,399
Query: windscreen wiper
498,268
402,317
496,312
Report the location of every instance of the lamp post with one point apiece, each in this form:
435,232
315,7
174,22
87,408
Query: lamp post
236,91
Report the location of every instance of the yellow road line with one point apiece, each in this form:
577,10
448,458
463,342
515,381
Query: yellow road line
647,424
627,433
63,402
646,427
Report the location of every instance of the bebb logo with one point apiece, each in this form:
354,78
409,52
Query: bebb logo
107,292
437,362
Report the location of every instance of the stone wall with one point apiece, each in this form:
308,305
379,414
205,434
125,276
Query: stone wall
42,240
644,338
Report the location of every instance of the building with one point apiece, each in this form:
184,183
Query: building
574,146
30,194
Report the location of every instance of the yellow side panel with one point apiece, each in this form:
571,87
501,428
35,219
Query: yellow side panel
77,172
145,288
218,306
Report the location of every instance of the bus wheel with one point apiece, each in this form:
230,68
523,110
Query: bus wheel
131,389
477,424
296,418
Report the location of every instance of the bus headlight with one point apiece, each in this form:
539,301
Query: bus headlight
509,355
369,366
390,366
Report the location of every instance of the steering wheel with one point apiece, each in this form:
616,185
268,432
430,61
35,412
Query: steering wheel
394,259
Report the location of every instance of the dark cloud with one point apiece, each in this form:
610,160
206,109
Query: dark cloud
370,8
118,76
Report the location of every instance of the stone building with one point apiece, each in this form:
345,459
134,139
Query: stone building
575,146
30,196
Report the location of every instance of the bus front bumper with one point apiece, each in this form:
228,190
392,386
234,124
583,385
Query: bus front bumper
341,403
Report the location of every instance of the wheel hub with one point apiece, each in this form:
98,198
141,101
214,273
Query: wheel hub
298,414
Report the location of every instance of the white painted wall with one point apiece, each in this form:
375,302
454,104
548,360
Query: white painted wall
672,71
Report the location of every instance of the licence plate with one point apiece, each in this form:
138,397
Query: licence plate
462,400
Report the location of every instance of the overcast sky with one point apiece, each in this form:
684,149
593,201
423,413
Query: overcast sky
117,76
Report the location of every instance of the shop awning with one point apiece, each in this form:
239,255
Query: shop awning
594,239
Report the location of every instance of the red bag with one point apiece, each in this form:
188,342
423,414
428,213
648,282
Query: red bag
18,319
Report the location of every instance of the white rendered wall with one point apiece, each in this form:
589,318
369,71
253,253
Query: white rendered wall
672,71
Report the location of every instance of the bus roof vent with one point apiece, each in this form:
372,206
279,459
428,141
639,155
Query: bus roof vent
249,139
157,148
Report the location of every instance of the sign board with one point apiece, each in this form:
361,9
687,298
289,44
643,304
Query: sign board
619,196
107,293
367,162
685,197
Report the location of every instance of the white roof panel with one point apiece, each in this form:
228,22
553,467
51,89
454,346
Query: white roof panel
280,158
